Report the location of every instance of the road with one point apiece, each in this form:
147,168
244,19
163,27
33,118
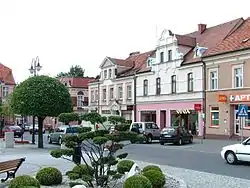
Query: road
204,157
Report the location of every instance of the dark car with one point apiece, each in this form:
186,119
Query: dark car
18,131
176,135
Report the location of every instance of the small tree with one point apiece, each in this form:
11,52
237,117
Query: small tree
68,117
100,149
41,96
116,119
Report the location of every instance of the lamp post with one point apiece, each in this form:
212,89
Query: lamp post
34,69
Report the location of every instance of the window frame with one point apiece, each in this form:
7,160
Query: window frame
96,94
105,74
161,57
170,55
111,91
110,73
129,92
241,76
104,94
80,99
158,86
190,82
120,92
216,79
217,110
173,83
92,94
145,87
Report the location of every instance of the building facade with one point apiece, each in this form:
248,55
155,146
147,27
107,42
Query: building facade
112,93
228,84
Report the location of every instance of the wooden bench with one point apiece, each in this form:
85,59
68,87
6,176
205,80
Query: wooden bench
10,167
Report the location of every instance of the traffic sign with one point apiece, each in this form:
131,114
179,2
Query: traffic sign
243,111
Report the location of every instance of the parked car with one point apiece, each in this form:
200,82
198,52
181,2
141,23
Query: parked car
176,135
149,129
57,135
27,126
236,152
18,131
36,129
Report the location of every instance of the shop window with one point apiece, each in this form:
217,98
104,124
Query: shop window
214,116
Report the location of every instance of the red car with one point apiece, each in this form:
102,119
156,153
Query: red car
18,131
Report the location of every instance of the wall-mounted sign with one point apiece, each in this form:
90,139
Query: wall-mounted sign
184,111
221,98
240,98
197,107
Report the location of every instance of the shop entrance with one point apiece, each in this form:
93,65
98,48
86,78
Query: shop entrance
237,121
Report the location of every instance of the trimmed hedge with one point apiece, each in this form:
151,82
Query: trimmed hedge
124,166
49,176
137,181
156,178
24,181
151,167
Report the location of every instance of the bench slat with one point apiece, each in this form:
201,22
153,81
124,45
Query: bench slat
7,170
12,164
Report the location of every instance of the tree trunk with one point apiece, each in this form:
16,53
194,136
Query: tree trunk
40,131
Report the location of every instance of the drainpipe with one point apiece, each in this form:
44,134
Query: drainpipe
204,97
135,107
98,102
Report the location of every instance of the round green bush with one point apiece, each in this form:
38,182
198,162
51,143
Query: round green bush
22,181
156,178
151,167
49,176
137,181
82,169
124,166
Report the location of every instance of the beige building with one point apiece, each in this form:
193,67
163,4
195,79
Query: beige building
228,84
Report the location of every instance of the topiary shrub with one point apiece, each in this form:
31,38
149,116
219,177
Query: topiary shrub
156,177
49,176
137,181
28,187
124,166
151,167
22,181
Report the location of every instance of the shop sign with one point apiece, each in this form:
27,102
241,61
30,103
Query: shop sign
197,107
185,111
221,98
240,98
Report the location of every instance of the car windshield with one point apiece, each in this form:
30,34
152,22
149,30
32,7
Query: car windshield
71,130
168,131
15,128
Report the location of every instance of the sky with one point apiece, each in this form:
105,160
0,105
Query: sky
63,33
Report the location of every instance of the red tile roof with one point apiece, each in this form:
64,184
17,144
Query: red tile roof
122,62
78,82
212,37
239,39
6,75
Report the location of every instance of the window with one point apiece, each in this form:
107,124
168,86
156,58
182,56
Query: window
214,116
105,74
213,80
120,93
80,99
129,92
145,87
190,82
5,91
162,57
92,96
104,94
110,73
158,86
96,95
111,93
238,77
173,84
169,55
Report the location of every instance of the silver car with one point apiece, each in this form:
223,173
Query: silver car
149,129
57,135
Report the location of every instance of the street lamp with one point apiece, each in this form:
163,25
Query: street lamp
34,69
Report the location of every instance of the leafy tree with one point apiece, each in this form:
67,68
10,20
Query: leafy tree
100,150
41,96
75,71
116,119
68,117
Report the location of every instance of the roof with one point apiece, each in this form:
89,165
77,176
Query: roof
121,62
239,39
6,75
212,37
79,82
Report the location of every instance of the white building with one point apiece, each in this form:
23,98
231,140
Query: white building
112,92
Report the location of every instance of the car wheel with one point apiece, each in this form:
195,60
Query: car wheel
191,140
230,157
180,142
60,141
149,139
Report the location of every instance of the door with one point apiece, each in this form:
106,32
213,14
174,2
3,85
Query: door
162,119
236,123
156,131
243,151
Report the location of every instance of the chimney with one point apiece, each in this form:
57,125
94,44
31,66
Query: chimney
202,28
134,53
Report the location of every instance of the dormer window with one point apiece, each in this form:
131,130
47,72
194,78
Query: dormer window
169,55
162,57
110,73
105,74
